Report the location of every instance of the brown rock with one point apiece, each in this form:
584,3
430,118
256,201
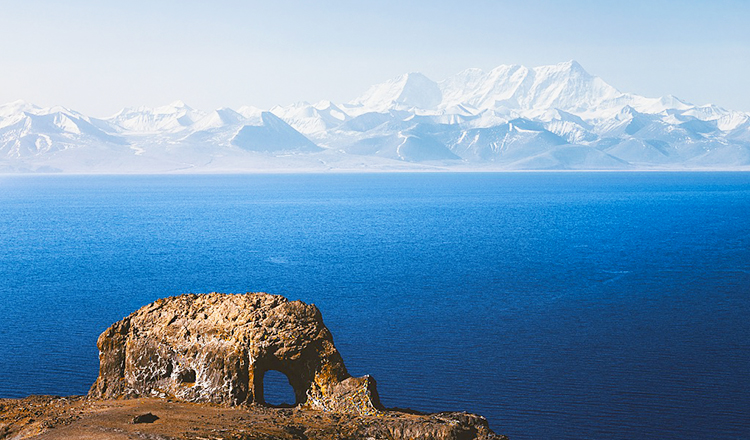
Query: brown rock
145,418
197,359
217,347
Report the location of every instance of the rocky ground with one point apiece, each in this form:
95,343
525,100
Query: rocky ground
78,417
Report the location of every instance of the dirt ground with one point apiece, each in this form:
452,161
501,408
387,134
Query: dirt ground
48,417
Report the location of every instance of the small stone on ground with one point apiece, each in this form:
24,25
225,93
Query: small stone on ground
145,418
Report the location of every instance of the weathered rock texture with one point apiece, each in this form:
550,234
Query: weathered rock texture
75,418
217,347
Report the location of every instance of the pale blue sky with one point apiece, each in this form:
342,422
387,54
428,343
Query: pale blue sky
98,56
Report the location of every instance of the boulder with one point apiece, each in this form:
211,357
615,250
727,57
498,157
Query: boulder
217,347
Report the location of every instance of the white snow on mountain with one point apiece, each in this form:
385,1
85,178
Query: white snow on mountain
312,118
412,90
30,131
511,117
218,118
171,117
565,86
269,133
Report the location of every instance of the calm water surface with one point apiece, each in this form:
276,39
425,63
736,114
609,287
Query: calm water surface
560,306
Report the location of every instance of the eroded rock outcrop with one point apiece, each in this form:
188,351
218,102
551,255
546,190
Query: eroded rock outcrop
217,347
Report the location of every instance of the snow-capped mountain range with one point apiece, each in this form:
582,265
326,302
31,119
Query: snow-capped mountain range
512,117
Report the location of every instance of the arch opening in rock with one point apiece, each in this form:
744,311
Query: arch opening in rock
277,391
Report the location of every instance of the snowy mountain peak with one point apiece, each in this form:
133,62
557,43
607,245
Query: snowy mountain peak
567,86
249,111
171,117
311,118
173,107
326,105
17,107
411,90
673,102
570,66
269,133
218,118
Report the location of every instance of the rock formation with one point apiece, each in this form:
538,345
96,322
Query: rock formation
184,367
217,347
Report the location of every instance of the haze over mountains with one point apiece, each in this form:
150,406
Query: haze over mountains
512,117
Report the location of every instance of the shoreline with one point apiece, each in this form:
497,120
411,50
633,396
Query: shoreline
77,417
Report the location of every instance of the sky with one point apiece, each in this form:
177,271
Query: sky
100,56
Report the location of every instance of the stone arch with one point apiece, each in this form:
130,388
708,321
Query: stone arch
217,347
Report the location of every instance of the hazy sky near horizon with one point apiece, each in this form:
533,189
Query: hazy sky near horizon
99,56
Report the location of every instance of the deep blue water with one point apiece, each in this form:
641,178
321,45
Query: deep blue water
560,306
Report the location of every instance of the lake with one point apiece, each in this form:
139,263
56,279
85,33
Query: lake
558,305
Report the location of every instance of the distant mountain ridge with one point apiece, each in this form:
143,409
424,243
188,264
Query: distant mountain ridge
556,117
